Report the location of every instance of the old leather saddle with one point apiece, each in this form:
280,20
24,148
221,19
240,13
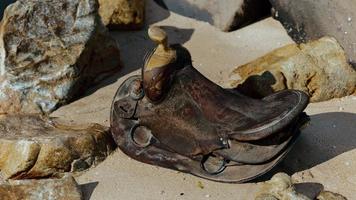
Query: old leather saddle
174,117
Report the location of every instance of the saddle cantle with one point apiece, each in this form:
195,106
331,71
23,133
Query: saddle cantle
174,117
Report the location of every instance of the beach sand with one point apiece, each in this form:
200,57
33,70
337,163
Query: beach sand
325,153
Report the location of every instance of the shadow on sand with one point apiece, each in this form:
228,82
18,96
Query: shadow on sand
135,44
133,48
327,136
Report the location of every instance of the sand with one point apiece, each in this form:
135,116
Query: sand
325,153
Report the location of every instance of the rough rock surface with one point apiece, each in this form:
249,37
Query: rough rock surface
46,189
308,20
319,68
122,14
33,146
227,15
330,134
281,187
326,195
50,51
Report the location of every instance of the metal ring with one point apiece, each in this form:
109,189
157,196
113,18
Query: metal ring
132,137
221,168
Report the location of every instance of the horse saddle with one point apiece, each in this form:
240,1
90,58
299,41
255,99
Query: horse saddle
174,117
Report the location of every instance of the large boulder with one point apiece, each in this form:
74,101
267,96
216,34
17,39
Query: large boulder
227,15
122,14
319,68
34,146
308,20
50,52
65,188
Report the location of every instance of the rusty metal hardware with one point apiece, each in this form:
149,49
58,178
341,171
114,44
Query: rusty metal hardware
174,117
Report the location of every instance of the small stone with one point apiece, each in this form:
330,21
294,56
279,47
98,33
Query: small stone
122,14
207,196
45,189
278,188
200,185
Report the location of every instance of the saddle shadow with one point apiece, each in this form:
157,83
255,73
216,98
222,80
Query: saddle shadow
88,189
155,12
327,136
134,44
258,86
133,47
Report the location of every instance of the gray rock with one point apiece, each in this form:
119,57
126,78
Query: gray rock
64,188
34,146
307,20
50,52
226,15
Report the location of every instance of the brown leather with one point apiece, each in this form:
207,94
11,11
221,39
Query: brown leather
196,121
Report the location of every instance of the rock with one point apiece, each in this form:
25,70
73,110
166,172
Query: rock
326,195
307,20
50,52
279,188
319,68
34,146
45,189
122,14
227,15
